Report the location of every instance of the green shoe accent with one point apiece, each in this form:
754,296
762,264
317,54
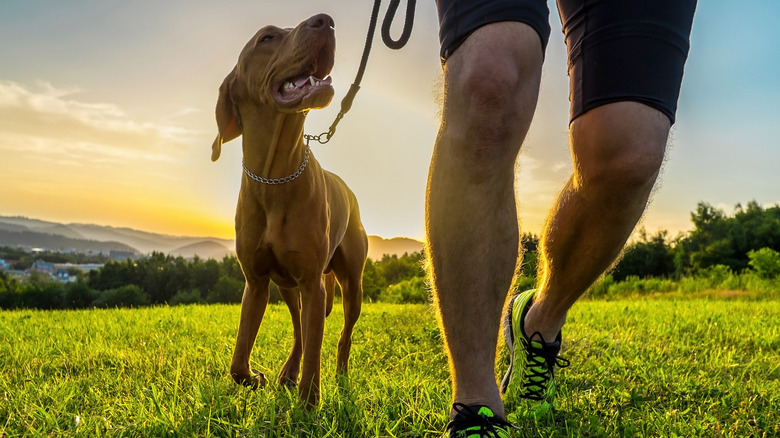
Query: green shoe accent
531,374
471,422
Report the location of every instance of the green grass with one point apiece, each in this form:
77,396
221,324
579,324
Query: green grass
639,368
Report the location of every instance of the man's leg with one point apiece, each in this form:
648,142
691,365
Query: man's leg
491,87
618,150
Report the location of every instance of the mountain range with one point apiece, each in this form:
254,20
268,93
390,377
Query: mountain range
34,233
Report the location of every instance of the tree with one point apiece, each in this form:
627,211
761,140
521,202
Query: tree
395,269
647,257
766,262
720,239
113,275
373,281
204,275
232,268
226,290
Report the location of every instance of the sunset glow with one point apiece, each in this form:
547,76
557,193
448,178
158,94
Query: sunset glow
106,115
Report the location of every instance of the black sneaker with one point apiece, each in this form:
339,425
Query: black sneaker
477,421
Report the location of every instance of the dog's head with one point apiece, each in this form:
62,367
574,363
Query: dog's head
279,70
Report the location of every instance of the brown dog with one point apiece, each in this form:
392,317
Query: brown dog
297,221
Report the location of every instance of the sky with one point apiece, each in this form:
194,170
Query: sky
107,115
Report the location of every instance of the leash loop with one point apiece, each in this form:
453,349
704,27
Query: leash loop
388,21
346,102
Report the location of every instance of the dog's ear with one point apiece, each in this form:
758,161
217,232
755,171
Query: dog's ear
227,117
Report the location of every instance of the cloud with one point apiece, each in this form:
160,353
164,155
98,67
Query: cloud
535,181
48,112
76,153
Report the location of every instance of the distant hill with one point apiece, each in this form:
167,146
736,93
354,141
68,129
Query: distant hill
378,246
34,233
32,239
21,231
206,250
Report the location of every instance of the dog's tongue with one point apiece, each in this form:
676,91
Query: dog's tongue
311,80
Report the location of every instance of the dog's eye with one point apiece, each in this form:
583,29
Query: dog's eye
266,38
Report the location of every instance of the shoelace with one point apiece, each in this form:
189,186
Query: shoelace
466,417
541,362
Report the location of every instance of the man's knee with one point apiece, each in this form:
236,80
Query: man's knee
492,83
621,145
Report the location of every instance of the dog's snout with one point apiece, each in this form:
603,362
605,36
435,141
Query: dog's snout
320,21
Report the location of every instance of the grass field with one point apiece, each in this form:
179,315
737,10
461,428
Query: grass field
653,367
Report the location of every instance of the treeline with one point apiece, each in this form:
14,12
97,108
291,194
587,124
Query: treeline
740,242
157,279
740,252
164,279
737,253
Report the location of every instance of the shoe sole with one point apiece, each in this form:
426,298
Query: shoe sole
509,338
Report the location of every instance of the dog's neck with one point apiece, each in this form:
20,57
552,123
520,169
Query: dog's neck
273,148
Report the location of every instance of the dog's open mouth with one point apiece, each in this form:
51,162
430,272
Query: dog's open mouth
294,91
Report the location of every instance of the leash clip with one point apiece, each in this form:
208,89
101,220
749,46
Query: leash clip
346,103
321,138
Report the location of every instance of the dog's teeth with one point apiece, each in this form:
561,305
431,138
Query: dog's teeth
311,81
288,85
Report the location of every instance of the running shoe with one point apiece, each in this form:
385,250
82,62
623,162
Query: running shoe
532,360
477,421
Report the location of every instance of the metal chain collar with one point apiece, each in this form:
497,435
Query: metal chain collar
276,181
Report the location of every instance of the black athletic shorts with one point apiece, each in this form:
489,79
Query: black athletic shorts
619,50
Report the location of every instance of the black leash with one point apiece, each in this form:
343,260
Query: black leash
346,103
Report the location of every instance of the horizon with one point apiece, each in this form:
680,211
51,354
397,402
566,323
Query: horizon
86,238
106,116
176,236
729,212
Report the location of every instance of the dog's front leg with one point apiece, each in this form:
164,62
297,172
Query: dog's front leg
313,326
253,304
289,373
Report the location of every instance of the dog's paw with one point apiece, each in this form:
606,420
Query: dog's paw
287,381
253,381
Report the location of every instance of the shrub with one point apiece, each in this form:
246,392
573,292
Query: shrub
227,290
693,284
766,262
125,296
715,275
39,295
413,290
186,297
600,289
524,282
78,296
8,299
732,282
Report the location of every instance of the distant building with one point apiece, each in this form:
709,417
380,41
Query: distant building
63,271
16,274
43,267
121,256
